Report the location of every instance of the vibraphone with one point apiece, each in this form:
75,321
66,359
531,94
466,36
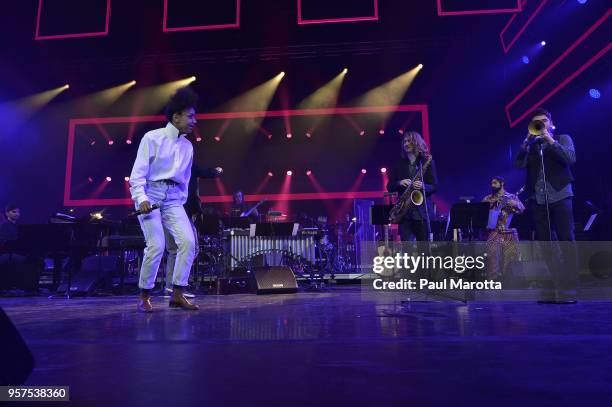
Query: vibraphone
242,246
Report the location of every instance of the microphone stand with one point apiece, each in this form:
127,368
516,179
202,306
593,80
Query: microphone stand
427,219
546,202
549,242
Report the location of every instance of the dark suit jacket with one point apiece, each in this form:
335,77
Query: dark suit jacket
194,204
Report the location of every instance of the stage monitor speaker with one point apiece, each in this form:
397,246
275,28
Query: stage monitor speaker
96,272
273,280
17,360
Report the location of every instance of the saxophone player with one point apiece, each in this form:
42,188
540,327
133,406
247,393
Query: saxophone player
406,174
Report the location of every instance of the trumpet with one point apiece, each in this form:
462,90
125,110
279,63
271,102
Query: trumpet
536,127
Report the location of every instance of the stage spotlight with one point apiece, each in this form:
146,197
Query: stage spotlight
13,113
525,59
270,174
582,1
96,215
108,179
363,170
126,179
324,97
401,131
92,143
383,170
191,79
89,179
104,98
289,173
217,138
289,135
111,142
362,133
66,86
198,139
269,136
256,99
309,172
381,132
308,135
128,141
281,75
543,43
390,93
594,93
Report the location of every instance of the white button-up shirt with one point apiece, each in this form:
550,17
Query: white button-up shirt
163,154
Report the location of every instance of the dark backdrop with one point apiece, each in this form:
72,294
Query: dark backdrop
466,82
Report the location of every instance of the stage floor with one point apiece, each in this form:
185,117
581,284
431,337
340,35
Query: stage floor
325,348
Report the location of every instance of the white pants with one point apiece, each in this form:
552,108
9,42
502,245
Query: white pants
172,217
172,249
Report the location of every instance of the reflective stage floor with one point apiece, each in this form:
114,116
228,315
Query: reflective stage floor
331,348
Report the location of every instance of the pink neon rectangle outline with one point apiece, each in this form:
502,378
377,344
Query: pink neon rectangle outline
301,21
423,109
39,37
522,29
200,27
556,62
519,8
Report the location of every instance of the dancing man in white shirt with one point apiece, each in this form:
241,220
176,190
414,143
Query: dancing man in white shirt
159,178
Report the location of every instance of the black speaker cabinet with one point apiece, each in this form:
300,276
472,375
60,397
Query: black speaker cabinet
17,360
96,272
273,280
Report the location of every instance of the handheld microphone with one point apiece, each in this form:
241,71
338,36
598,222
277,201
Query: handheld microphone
139,212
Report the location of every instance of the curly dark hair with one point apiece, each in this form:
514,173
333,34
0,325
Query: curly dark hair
184,98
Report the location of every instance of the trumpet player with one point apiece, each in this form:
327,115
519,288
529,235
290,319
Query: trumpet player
548,185
410,172
548,160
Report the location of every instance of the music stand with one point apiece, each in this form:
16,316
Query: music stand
235,222
469,216
380,214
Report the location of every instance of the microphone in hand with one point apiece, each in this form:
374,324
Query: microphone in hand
141,212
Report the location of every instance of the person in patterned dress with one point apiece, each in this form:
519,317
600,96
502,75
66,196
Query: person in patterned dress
502,247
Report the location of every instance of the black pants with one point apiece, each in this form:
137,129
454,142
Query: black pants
410,228
561,220
561,258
